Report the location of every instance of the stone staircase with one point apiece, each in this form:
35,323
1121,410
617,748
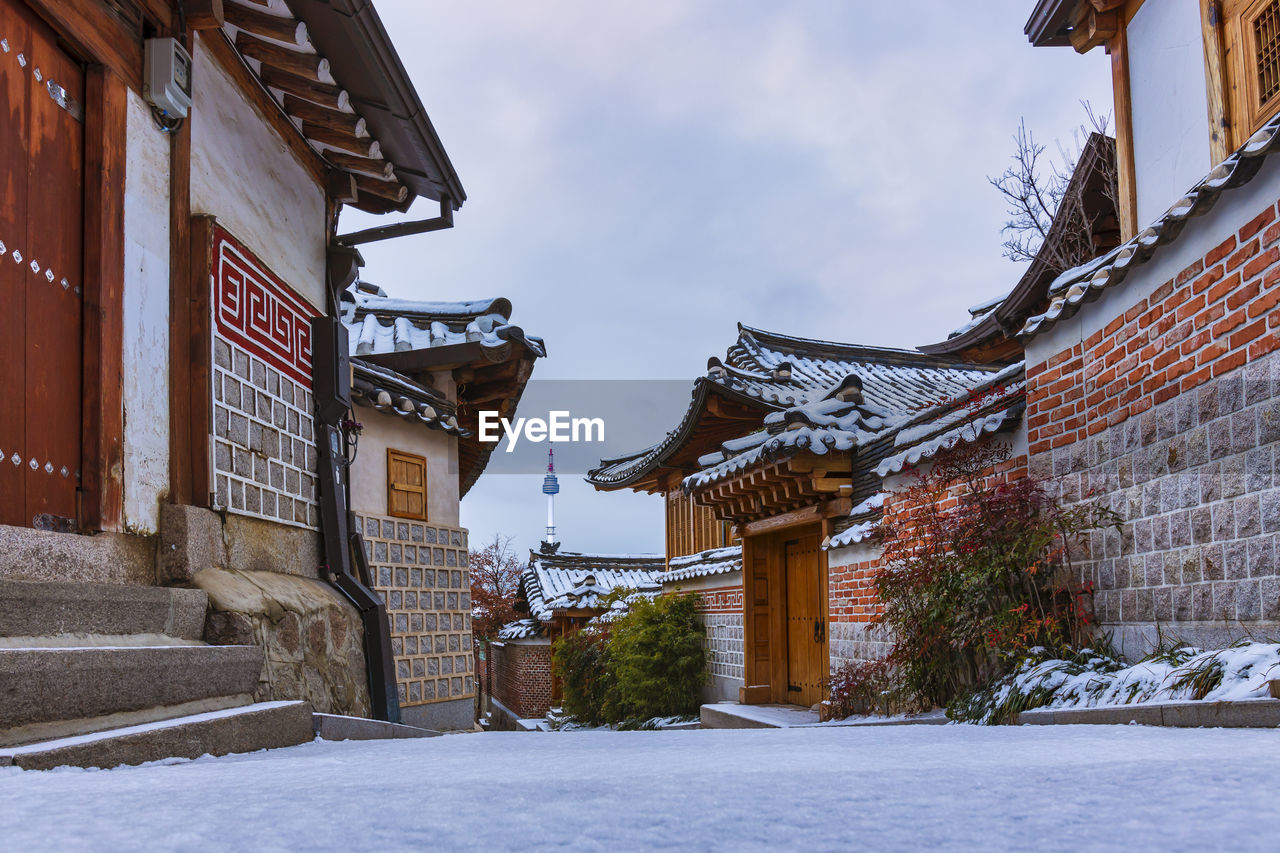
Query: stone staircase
97,675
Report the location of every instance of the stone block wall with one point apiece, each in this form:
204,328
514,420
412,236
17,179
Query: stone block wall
721,612
264,454
421,572
521,676
1170,413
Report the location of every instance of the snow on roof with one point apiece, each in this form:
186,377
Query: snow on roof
521,629
379,324
716,561
780,372
852,535
568,580
994,406
865,518
1087,282
819,428
385,390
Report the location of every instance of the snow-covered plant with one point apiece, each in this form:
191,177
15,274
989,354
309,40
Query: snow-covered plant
1091,679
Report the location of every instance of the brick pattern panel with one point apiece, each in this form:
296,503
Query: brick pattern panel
264,453
522,677
1171,415
721,613
421,574
1213,317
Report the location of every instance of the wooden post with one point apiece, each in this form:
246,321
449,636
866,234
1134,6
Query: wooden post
1215,81
1126,184
103,429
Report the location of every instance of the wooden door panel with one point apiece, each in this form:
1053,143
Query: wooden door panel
805,631
14,40
54,269
41,270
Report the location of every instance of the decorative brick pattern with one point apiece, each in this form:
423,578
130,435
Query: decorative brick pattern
721,613
257,311
521,676
420,571
1171,414
264,453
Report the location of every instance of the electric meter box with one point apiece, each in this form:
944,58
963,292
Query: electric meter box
166,82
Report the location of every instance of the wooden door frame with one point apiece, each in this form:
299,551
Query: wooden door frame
768,683
102,430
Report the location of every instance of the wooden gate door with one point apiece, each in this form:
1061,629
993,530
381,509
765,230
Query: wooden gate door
806,625
41,268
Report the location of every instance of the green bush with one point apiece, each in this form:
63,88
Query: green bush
658,658
649,663
588,687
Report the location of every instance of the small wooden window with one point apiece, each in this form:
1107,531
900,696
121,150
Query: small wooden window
1253,46
406,485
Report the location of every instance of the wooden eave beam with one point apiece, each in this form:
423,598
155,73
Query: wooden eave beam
324,94
306,65
1093,28
265,25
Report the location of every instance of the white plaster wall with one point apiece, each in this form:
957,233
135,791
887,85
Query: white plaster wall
858,552
369,474
1202,233
1170,105
243,173
146,319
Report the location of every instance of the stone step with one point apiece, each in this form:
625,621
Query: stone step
338,727
54,729
49,608
44,685
266,725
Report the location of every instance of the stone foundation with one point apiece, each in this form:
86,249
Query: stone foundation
311,636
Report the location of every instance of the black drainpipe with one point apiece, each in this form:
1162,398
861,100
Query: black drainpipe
331,392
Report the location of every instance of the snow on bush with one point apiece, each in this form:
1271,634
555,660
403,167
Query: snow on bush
1092,679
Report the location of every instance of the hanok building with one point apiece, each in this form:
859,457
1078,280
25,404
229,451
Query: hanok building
775,429
561,591
176,380
426,368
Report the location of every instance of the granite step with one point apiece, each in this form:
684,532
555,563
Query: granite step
49,608
266,725
46,684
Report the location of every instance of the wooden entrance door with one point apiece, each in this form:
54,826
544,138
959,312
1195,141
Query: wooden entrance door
41,272
806,622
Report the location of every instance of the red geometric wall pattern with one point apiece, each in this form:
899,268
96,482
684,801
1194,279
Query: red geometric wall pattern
256,310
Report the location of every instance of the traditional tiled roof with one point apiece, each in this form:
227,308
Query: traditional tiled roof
377,324
521,629
716,561
401,341
568,580
862,523
1085,283
994,406
774,372
818,428
384,390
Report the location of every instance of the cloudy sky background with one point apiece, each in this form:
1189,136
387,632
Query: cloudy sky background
643,176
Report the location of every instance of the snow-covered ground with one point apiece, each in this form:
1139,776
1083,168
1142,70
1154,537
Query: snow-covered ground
894,788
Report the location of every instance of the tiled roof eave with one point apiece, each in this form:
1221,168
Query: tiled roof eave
1088,282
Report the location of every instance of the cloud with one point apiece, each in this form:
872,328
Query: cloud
641,176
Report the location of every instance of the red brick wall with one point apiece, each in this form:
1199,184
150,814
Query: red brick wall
521,676
851,592
1211,318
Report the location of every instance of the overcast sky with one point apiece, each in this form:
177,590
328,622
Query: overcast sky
643,176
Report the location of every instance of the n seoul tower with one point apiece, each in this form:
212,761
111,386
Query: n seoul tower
550,488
